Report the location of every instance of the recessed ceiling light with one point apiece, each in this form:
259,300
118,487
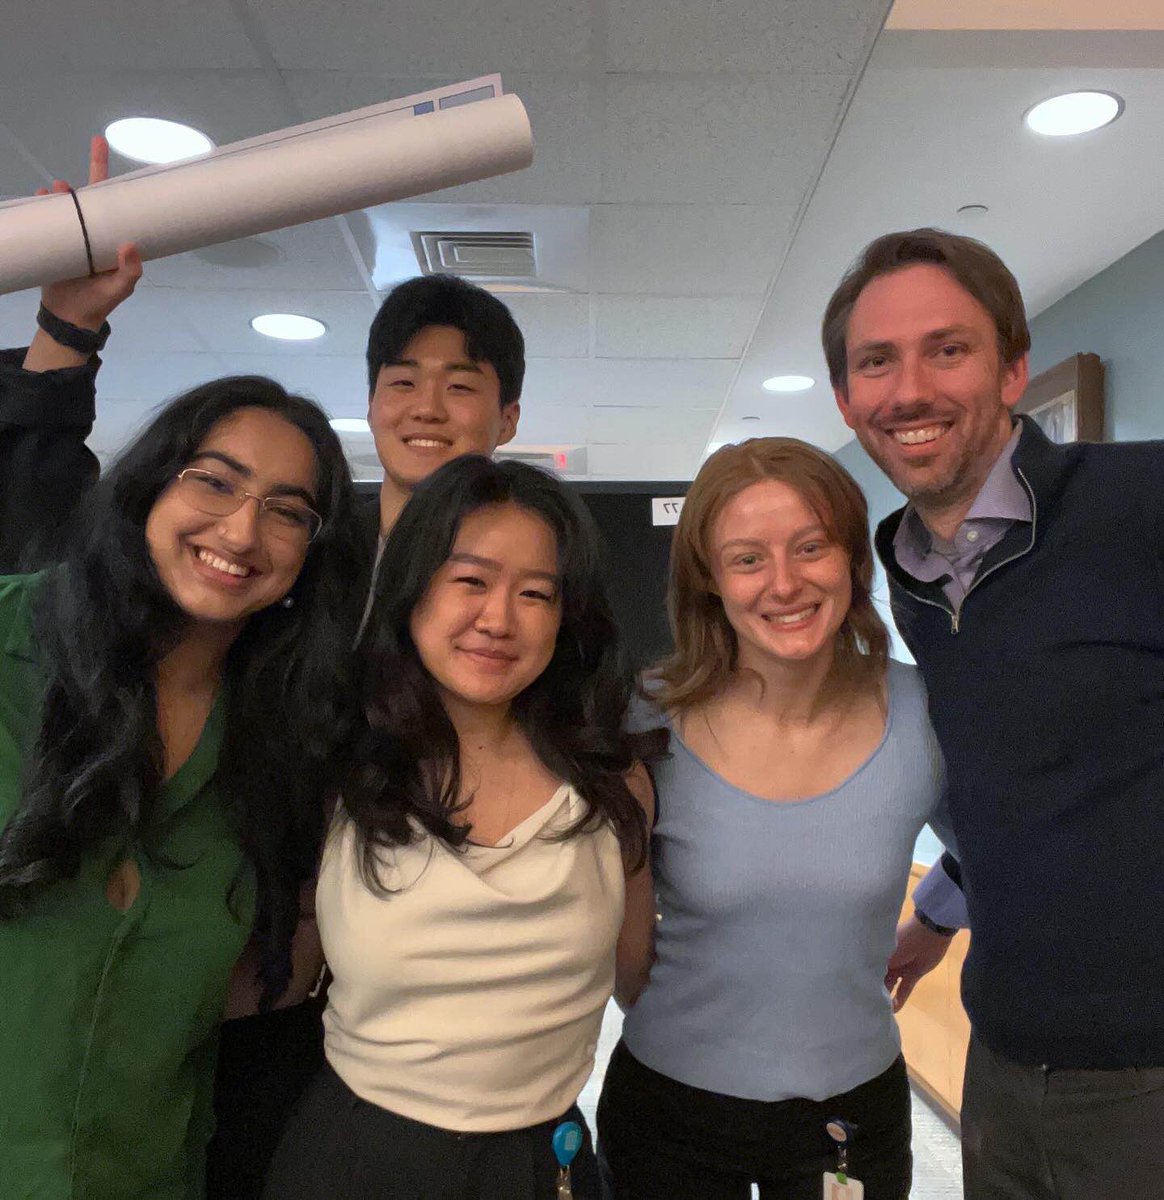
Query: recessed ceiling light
350,425
971,212
1074,112
788,383
151,140
288,327
749,418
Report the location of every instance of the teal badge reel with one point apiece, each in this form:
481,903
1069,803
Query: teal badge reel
567,1141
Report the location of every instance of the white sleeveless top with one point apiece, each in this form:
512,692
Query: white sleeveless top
471,997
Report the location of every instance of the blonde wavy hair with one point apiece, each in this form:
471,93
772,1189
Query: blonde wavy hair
706,650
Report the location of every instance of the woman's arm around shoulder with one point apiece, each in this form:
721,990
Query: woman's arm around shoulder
636,940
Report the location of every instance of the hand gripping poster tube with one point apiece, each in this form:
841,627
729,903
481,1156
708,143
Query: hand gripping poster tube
321,169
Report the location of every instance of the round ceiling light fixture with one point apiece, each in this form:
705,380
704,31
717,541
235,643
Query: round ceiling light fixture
1074,112
152,140
288,327
350,425
749,418
788,383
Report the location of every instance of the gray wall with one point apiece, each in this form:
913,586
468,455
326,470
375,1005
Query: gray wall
1119,315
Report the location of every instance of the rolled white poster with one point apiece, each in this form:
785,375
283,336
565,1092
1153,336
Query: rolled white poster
320,169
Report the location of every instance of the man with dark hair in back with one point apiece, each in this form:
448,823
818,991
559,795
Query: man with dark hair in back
446,362
1027,580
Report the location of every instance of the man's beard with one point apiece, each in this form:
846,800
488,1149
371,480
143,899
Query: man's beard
934,490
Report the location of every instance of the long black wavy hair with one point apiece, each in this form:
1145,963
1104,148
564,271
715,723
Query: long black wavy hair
574,714
103,620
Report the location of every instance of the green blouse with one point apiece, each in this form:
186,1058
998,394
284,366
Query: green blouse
108,1020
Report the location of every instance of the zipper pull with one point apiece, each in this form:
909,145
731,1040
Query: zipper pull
953,622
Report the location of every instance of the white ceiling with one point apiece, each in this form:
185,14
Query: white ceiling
702,175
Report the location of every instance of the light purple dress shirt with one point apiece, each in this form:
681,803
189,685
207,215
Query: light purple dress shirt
953,563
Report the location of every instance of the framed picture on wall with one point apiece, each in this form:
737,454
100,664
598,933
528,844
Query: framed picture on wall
1066,401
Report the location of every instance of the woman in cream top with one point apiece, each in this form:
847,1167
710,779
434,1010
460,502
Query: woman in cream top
502,958
471,892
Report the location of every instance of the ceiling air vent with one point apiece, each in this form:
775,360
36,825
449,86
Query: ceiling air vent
480,254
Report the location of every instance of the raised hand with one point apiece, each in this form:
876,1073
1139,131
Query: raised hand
88,301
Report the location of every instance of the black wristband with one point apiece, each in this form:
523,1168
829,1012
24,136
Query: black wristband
84,341
933,926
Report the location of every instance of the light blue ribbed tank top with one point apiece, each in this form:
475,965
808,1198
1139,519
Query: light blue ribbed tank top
778,919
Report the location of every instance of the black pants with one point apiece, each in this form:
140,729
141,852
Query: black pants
264,1064
659,1139
339,1147
1029,1133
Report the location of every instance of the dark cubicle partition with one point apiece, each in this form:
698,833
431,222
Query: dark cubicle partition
636,556
637,553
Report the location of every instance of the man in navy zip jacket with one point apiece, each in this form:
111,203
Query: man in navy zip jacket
1027,580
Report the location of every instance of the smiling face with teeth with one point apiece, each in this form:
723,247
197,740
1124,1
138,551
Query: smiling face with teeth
432,406
487,625
784,583
926,390
223,569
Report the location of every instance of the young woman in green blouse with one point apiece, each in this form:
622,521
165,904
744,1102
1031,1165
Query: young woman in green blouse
171,699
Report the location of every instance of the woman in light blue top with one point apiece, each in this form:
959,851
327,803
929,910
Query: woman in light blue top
802,769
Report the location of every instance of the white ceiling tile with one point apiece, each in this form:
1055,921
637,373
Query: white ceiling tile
704,249
155,318
649,383
56,122
132,34
18,178
559,425
339,382
819,423
739,35
557,383
311,256
643,426
673,327
442,37
222,320
554,326
117,425
18,317
147,381
665,460
710,140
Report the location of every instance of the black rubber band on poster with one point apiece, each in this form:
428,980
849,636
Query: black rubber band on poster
84,232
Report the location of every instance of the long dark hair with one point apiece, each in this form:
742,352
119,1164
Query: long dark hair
574,713
103,621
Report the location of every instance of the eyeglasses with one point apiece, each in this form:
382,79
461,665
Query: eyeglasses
286,518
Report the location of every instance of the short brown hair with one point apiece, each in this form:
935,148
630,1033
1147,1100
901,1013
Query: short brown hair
706,649
971,263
